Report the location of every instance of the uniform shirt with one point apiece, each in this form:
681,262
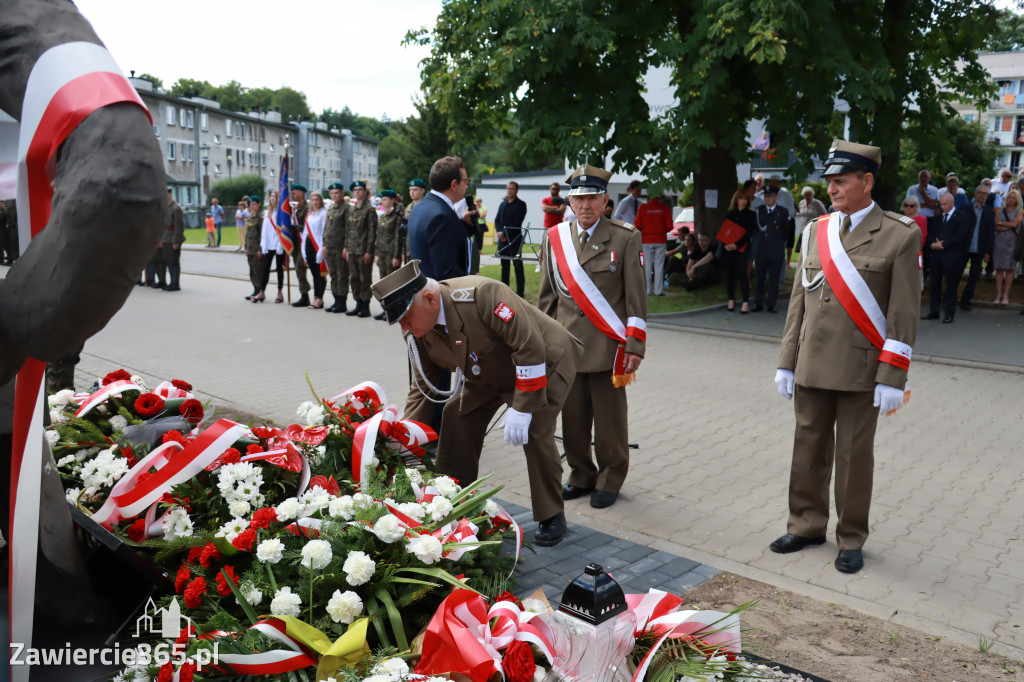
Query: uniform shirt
388,246
627,209
361,229
856,217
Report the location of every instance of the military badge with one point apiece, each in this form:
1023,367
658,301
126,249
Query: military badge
504,313
463,295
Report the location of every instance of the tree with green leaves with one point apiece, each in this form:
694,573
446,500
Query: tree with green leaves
158,84
965,151
1008,35
573,72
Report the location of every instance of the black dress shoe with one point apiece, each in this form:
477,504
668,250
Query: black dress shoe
600,499
758,308
794,543
571,492
966,307
550,531
772,310
948,319
849,561
930,316
303,302
173,287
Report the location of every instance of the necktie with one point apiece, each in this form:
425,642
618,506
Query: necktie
844,230
584,237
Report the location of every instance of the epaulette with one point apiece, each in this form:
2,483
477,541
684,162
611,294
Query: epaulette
621,223
906,220
465,295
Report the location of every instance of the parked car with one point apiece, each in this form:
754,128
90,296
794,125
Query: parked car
684,219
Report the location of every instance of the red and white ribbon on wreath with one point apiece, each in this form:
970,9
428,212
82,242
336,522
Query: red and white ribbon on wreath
452,532
169,391
271,662
367,395
410,435
101,395
67,83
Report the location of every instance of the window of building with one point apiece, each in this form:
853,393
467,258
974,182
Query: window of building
271,172
156,130
170,115
263,134
264,163
182,118
271,148
1006,87
188,195
969,118
204,121
216,139
216,169
227,128
170,151
191,118
191,152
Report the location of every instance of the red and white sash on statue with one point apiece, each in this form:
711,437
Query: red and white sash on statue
855,296
67,83
591,301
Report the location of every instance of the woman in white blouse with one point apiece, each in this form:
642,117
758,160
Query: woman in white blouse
312,246
273,252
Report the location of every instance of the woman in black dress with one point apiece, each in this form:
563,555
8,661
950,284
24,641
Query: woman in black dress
734,255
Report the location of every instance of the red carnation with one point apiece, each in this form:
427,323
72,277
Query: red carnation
328,484
232,456
184,575
194,593
183,385
137,531
508,596
129,455
192,410
149,404
254,449
518,662
176,436
261,518
186,673
194,554
166,673
209,555
117,375
245,540
223,589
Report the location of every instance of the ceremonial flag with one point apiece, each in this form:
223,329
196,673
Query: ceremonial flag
283,220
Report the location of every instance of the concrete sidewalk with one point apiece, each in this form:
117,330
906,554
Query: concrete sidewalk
709,479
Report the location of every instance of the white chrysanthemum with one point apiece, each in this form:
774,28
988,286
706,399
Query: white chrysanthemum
358,568
57,416
388,528
379,678
315,499
60,398
232,528
342,506
251,594
289,509
395,668
52,438
285,603
85,454
239,508
427,548
534,606
270,551
439,507
446,486
177,524
491,508
312,414
319,452
344,607
72,495
415,476
316,554
413,509
117,422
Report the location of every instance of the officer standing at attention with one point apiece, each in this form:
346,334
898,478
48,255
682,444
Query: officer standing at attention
360,236
334,246
298,194
417,190
503,351
253,248
388,249
775,226
592,282
846,350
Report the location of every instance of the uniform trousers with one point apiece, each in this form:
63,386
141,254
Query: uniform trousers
946,266
384,266
300,267
256,270
360,276
338,268
832,427
595,407
319,283
462,439
768,268
654,265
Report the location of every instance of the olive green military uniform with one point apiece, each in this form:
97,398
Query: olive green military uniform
406,255
298,261
388,246
493,336
360,235
836,368
611,258
334,244
253,248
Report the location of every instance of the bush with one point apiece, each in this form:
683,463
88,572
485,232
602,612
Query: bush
231,191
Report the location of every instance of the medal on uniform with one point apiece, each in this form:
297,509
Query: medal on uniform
611,267
475,369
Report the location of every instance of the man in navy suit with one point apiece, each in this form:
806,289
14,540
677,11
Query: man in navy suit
946,232
437,237
977,244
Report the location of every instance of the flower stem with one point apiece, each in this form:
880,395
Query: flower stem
273,583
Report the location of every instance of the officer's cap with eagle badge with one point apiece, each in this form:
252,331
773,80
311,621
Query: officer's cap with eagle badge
847,157
396,291
588,180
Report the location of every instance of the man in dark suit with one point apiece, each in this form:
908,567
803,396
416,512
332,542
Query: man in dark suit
946,233
980,219
508,228
776,235
437,238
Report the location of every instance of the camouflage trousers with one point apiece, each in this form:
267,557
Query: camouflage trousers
360,277
338,268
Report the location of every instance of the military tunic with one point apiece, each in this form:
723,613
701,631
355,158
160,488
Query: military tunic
493,335
388,244
253,250
334,244
406,256
360,235
611,259
299,262
836,368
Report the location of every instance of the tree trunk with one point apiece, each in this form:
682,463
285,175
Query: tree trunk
717,175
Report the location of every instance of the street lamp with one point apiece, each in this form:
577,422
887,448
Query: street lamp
204,154
230,160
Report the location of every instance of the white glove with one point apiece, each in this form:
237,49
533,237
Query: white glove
320,256
517,427
784,382
887,398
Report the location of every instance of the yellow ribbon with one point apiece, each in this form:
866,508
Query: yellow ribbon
345,652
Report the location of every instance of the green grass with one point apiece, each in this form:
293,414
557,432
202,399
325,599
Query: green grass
197,235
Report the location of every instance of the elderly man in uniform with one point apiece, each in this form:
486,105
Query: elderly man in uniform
503,351
298,195
360,236
389,246
592,282
334,246
846,350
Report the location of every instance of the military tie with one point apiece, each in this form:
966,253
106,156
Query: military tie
584,237
844,230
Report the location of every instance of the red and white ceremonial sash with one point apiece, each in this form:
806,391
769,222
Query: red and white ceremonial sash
590,299
67,83
853,294
309,232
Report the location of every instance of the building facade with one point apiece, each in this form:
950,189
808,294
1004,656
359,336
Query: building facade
1004,118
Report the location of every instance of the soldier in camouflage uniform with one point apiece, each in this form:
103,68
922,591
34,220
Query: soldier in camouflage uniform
298,194
417,190
334,246
253,250
389,247
359,242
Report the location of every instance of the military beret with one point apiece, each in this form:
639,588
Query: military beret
256,199
357,183
388,193
301,188
416,182
336,185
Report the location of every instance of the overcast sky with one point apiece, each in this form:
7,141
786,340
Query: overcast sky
338,52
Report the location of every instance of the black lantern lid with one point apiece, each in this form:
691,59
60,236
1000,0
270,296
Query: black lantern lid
593,596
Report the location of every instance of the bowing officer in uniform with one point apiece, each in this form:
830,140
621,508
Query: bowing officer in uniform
846,350
503,351
592,282
776,235
334,246
360,237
